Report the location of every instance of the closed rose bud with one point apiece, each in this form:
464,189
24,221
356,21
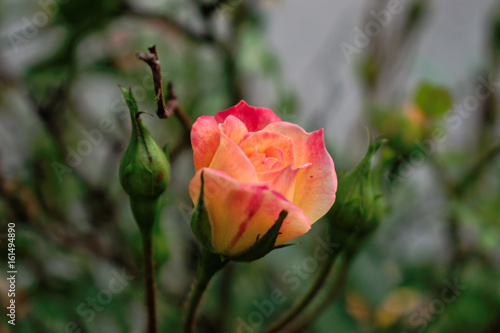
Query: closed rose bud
357,210
144,168
258,173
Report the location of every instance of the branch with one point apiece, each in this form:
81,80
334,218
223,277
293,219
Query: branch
165,110
301,324
174,107
311,293
476,171
152,60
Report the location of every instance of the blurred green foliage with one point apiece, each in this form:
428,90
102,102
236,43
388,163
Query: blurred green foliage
74,229
433,101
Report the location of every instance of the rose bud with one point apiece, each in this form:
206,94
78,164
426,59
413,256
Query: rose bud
259,182
356,213
144,168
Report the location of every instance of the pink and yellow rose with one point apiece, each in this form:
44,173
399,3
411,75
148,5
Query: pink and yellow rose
254,166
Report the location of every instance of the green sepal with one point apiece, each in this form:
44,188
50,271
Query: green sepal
166,151
286,245
265,244
131,102
200,222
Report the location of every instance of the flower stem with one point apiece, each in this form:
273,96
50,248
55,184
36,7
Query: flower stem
307,298
210,264
149,287
301,325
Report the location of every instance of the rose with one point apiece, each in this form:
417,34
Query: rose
254,166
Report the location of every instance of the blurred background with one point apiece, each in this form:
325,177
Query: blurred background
424,74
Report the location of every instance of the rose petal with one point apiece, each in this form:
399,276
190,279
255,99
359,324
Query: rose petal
240,212
275,152
231,160
205,140
268,176
254,118
271,163
284,182
315,185
263,142
234,128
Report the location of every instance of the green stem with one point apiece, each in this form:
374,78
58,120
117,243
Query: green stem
302,324
210,264
474,173
307,298
145,214
149,287
224,297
